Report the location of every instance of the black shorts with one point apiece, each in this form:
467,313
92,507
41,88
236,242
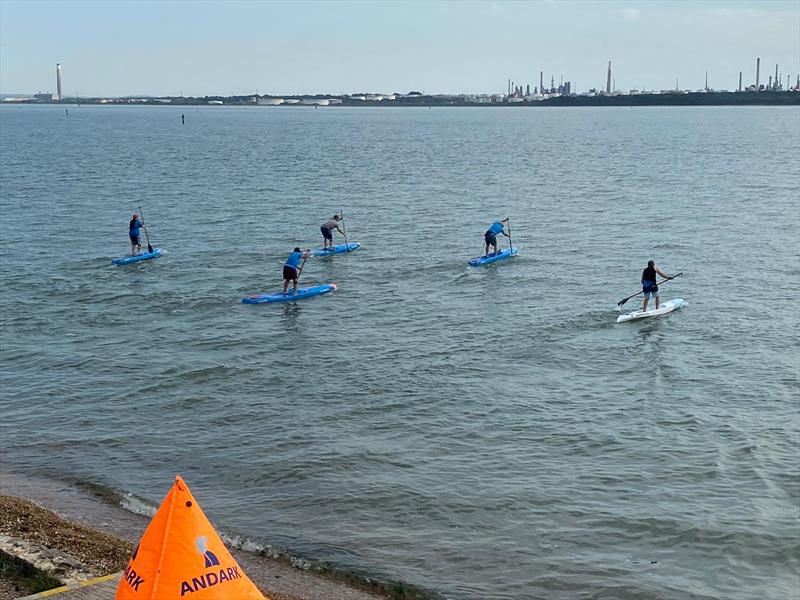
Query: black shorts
326,233
491,239
134,240
289,273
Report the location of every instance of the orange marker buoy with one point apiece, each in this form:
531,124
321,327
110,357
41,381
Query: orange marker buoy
181,557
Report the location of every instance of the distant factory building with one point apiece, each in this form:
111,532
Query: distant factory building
315,101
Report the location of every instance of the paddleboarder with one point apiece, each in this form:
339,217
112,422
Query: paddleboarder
490,237
649,285
327,231
134,226
290,268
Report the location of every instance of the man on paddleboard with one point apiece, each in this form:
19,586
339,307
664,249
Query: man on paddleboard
133,233
290,268
649,285
490,237
327,231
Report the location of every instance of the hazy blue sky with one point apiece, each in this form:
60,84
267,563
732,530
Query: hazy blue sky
215,47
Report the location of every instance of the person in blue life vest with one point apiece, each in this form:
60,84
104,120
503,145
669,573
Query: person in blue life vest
490,237
291,268
649,285
327,231
133,233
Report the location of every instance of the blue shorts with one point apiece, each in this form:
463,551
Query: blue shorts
491,239
654,293
326,233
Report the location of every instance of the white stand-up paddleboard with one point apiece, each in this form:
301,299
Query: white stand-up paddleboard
665,308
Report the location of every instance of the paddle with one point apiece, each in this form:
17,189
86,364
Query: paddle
149,247
344,232
624,300
510,247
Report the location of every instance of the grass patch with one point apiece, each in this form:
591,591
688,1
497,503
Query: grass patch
25,576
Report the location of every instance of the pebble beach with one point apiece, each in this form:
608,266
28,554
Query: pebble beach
79,536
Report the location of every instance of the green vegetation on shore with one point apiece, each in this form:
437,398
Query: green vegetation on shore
24,577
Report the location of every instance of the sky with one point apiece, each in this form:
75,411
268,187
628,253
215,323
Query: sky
216,47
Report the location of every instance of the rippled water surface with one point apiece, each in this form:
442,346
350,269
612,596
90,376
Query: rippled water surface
483,433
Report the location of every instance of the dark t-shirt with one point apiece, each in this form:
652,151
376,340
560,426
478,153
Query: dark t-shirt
649,278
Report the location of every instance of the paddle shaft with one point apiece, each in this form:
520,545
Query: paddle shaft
303,264
624,300
344,232
147,237
510,247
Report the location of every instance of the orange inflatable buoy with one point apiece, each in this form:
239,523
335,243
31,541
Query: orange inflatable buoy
181,557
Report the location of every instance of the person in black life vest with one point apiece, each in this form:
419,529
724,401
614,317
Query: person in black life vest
134,226
649,285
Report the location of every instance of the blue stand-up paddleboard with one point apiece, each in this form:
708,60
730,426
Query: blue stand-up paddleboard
290,296
127,260
337,249
485,260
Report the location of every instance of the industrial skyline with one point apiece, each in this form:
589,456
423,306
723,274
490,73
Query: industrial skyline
774,84
523,91
438,47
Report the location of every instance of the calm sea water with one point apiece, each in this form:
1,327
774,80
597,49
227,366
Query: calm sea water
484,433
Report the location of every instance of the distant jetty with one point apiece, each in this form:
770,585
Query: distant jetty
663,98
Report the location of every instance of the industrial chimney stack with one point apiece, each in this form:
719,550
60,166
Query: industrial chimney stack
740,81
608,79
58,81
758,72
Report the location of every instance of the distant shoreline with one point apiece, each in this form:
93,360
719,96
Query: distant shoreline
763,98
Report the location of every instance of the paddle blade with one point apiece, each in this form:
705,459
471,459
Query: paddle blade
149,248
623,301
